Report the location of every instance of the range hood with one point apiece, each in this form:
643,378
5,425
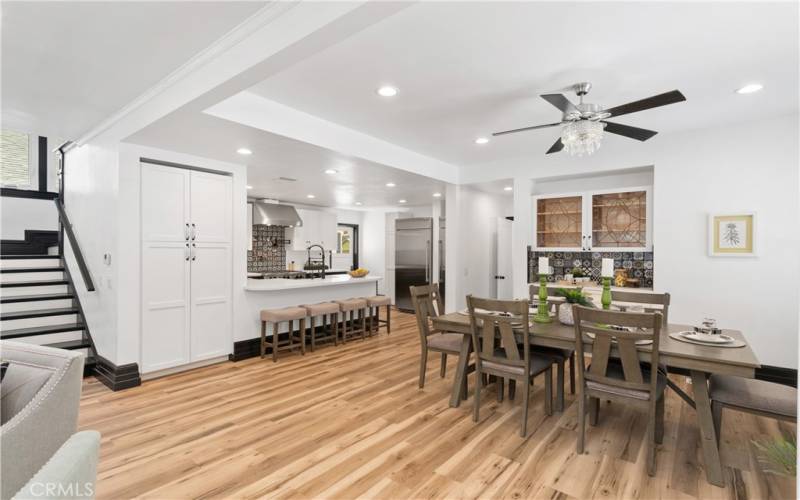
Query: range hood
275,214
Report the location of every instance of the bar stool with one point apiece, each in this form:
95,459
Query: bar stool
276,317
356,307
321,309
376,302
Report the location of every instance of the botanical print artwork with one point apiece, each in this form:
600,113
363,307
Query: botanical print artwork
732,235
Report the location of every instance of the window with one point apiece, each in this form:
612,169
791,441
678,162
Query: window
344,239
15,159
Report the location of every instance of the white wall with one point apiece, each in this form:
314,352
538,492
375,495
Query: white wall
748,166
19,214
373,247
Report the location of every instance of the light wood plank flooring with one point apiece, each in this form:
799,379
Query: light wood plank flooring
350,422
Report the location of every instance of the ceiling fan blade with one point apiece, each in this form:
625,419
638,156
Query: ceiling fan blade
648,103
640,134
527,128
561,102
555,148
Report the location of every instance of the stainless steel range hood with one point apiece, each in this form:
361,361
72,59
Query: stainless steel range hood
275,214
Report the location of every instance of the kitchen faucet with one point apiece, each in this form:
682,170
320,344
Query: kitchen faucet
316,264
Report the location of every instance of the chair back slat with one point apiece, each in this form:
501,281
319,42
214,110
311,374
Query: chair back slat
427,305
608,337
493,329
662,299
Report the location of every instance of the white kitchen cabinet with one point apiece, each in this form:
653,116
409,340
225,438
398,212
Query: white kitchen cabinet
186,266
600,220
319,228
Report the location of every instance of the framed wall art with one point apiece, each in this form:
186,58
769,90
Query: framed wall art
732,234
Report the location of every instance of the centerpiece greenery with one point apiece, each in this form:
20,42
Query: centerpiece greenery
572,296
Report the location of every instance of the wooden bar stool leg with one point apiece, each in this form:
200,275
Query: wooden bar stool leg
263,338
303,336
363,313
388,319
275,341
314,332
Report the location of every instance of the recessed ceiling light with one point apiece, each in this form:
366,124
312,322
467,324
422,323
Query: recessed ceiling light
331,171
750,88
249,186
390,184
387,91
508,188
437,195
358,203
310,196
481,140
244,151
402,201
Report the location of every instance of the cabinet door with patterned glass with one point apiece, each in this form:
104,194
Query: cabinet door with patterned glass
559,223
620,220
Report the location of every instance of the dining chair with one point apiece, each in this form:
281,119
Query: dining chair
757,397
628,381
502,357
646,299
428,304
560,355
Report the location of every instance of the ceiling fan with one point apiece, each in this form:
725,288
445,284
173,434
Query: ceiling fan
583,123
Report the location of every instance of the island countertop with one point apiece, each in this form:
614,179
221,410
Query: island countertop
272,285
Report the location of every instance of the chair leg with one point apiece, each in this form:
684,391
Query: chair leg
423,364
512,389
560,385
275,341
526,396
548,391
443,368
572,374
263,338
594,410
659,433
651,443
716,416
477,402
581,421
500,385
465,389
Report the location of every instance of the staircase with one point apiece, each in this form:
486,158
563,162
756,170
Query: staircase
38,304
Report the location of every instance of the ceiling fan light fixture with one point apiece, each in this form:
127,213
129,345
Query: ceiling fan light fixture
582,137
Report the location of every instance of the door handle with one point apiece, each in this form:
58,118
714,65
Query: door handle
187,252
194,251
186,232
194,232
499,277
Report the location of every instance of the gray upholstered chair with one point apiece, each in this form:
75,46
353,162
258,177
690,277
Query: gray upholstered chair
38,409
428,304
758,397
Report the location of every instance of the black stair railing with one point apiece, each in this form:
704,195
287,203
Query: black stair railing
73,242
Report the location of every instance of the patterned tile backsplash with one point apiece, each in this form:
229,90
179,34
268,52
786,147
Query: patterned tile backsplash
638,264
269,250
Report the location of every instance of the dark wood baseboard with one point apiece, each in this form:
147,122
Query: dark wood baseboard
116,377
777,374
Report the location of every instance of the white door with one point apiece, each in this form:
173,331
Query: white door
504,268
165,267
211,265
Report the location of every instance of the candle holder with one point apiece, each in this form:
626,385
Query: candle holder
542,314
605,299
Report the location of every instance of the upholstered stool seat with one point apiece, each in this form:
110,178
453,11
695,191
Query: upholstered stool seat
276,317
754,396
331,309
374,304
356,307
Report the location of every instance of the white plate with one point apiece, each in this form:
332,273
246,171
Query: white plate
706,339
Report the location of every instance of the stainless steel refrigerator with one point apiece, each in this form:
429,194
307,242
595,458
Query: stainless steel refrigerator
413,257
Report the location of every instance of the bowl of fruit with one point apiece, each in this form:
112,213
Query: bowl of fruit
358,273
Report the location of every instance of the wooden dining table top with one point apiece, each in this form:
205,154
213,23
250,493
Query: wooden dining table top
740,361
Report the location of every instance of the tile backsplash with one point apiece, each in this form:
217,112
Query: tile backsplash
638,264
269,249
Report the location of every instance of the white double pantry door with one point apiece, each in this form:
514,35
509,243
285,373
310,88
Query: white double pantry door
186,266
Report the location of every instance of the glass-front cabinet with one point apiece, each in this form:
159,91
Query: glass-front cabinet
602,220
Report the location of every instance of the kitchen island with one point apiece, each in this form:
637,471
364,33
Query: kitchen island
275,293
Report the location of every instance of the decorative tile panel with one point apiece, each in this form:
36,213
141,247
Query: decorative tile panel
269,249
637,264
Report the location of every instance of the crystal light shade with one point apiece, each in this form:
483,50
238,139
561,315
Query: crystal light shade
582,137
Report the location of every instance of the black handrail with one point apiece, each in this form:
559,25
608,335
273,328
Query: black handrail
76,249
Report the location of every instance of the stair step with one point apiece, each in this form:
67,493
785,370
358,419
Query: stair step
36,298
13,284
40,313
38,256
70,344
32,270
40,330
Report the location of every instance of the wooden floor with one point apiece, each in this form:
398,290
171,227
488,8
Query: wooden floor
351,422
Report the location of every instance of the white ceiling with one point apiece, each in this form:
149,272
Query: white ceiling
275,156
470,69
69,65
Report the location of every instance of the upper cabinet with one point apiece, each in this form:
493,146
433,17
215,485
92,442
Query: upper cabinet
603,220
319,228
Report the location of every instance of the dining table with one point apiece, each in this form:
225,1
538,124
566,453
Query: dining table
700,361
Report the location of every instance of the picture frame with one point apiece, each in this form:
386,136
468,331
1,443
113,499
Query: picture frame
732,234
